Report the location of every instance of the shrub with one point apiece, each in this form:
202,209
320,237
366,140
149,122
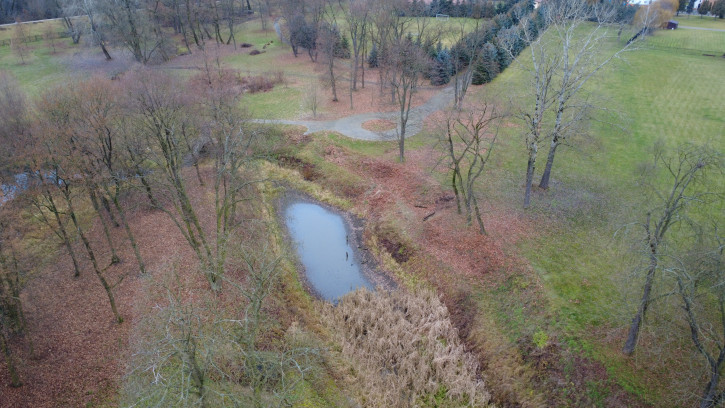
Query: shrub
718,8
441,68
373,57
258,83
342,47
487,66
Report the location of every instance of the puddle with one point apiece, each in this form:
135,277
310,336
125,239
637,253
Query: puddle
323,245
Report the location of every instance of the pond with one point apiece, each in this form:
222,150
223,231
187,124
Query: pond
322,241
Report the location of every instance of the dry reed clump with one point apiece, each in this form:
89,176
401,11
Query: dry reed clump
259,83
405,350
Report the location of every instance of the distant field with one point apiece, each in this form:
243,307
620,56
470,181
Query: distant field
32,29
698,21
693,41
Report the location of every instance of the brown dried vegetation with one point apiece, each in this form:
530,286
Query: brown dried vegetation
405,351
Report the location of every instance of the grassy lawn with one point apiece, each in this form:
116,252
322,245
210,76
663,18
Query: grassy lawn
656,94
32,29
41,70
694,41
701,21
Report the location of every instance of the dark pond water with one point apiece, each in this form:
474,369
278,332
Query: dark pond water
320,238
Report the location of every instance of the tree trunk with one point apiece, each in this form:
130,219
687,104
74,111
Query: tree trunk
332,79
105,51
636,324
529,178
107,207
97,207
99,38
355,63
92,256
5,348
130,235
544,183
401,136
64,234
456,90
362,66
455,189
481,228
709,397
401,142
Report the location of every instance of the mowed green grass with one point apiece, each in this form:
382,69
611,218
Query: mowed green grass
695,41
32,29
655,94
701,21
41,70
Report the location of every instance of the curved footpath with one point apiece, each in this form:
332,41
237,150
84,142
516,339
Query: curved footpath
351,126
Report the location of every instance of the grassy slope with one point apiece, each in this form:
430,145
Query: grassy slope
661,94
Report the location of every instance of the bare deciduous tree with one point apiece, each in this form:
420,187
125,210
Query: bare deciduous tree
668,207
327,43
469,147
12,280
197,352
19,41
700,285
562,61
135,28
161,126
311,98
56,174
357,25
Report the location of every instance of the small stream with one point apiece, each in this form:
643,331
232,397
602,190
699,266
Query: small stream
322,242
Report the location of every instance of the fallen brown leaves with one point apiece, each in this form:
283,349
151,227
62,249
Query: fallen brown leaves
80,352
444,235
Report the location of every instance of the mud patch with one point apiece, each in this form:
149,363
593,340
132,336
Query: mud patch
307,170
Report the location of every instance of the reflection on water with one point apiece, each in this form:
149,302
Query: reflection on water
320,238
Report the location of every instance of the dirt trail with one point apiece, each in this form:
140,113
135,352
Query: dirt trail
351,126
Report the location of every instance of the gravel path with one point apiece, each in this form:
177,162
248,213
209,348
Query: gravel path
351,126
